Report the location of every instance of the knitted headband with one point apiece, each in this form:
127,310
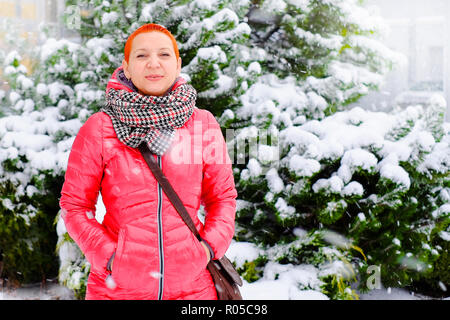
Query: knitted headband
149,28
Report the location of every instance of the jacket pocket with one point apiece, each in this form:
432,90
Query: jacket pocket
203,255
118,256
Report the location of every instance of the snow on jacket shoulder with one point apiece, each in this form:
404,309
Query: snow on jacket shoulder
156,256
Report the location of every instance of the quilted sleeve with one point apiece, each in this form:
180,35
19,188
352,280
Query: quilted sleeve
218,191
79,195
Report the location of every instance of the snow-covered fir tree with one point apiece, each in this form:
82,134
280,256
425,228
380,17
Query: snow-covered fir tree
326,192
325,186
27,240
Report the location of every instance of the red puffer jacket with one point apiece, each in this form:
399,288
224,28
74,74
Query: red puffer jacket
156,255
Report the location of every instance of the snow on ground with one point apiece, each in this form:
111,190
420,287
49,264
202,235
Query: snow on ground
52,291
265,290
392,294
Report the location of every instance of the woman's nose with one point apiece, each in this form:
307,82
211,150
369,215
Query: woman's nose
153,62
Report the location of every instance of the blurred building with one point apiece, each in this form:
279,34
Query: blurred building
27,15
24,19
420,29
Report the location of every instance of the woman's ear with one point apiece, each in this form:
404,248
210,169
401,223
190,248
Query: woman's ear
125,69
178,66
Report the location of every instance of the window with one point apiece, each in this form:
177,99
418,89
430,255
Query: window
28,10
51,11
436,55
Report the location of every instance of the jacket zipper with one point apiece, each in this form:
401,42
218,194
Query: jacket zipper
160,239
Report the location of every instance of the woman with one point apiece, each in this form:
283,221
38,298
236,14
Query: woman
143,249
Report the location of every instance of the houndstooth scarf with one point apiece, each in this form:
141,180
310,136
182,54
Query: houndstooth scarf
137,118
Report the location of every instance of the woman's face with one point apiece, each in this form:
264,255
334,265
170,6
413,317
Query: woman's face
152,65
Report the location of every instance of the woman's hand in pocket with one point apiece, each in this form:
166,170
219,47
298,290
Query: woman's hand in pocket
109,266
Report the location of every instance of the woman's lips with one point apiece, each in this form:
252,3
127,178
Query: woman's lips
154,77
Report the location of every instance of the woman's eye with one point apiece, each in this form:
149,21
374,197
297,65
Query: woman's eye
141,55
165,54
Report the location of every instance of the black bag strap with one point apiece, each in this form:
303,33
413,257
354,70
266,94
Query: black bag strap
168,189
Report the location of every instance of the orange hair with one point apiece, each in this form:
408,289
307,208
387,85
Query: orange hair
150,27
